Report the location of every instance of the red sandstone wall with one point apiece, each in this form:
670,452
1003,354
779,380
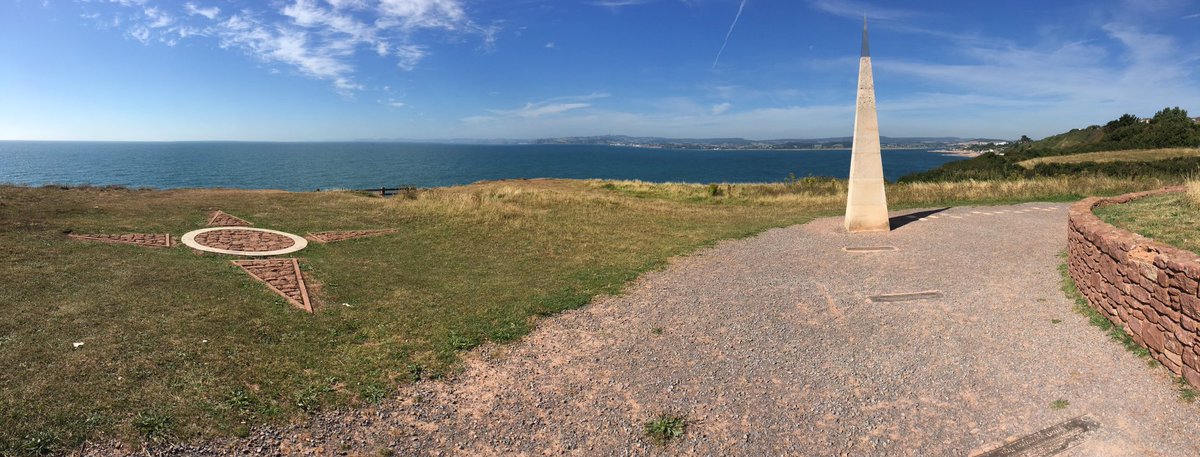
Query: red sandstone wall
1146,286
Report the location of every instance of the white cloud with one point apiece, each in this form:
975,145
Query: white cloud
620,3
428,14
551,45
321,39
535,110
157,18
209,12
720,108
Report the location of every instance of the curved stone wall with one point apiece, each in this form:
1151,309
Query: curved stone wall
1148,287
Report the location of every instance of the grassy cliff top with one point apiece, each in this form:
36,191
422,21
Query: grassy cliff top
179,345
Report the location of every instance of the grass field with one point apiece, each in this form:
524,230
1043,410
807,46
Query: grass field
179,345
1135,155
1171,218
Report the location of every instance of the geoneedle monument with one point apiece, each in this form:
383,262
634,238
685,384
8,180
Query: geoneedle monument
866,204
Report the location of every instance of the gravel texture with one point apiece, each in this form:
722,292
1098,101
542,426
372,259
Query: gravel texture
770,346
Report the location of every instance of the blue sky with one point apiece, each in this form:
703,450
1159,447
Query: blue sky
300,70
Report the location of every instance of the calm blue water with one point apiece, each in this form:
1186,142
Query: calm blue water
308,166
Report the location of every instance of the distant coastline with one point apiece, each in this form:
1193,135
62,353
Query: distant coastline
957,152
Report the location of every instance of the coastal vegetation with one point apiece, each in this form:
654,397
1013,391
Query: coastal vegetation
1152,148
1132,155
105,341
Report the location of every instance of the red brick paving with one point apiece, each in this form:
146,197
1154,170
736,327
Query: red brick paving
156,240
282,276
244,240
329,237
222,219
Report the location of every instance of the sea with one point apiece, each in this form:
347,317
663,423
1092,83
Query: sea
362,165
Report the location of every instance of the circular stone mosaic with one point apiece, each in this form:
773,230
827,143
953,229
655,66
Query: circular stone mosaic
245,241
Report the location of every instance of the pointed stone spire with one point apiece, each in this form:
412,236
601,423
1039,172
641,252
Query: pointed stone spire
866,50
866,204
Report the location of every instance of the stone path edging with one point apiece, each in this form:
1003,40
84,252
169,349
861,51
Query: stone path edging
1146,286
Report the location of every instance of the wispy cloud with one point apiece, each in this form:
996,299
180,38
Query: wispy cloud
210,12
319,39
720,108
737,16
620,3
1192,16
544,108
855,10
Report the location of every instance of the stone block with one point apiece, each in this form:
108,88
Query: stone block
1190,305
1153,337
1189,324
1192,376
1171,361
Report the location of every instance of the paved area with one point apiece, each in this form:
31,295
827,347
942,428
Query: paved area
330,237
244,240
772,346
220,218
157,240
282,276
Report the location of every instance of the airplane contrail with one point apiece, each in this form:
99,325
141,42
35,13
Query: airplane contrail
730,32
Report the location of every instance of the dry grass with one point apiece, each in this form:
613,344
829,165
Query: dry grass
184,345
820,192
1193,192
1173,219
1134,155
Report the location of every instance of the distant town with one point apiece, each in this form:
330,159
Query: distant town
943,144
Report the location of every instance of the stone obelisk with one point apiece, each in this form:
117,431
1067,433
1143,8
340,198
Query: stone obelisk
866,204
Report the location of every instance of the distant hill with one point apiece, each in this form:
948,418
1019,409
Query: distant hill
1169,128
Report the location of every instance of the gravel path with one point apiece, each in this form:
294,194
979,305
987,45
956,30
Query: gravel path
770,346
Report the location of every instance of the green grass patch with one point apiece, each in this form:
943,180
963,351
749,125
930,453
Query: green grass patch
1172,218
664,428
1081,306
1059,404
179,345
1187,392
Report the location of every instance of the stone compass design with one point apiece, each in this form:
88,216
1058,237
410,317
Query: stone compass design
232,235
246,241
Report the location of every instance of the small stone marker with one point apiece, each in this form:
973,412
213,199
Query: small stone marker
869,248
924,295
1048,441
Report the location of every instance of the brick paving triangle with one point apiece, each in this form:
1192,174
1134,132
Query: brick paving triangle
222,219
154,240
332,236
282,276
